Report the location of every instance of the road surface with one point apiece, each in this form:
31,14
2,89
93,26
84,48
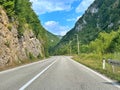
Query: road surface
55,73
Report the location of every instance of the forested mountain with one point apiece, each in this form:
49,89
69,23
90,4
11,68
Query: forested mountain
22,36
101,16
52,41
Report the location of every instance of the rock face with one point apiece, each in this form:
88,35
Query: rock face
13,49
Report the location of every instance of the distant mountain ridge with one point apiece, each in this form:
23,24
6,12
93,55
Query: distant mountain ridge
102,15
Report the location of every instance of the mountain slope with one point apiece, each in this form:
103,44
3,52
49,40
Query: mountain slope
52,41
102,15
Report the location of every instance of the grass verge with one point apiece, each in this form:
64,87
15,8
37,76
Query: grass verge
94,62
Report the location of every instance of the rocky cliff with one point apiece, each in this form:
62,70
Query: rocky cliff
14,49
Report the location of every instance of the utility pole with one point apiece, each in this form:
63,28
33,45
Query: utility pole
78,48
70,46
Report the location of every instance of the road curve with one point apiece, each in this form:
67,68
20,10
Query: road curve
55,73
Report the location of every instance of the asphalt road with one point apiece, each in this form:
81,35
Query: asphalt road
55,73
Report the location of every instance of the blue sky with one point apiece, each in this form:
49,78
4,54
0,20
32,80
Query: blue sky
59,16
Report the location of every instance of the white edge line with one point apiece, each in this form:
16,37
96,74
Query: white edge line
98,74
19,67
22,66
34,78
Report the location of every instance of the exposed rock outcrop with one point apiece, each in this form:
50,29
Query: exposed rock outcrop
13,49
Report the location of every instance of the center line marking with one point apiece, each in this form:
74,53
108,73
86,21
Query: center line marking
33,79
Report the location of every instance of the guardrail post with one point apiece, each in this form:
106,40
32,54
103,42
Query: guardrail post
113,68
104,63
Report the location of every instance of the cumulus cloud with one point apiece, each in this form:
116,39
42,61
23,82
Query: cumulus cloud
83,6
45,6
56,28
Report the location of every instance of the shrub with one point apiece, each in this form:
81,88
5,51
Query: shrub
9,27
7,43
31,56
39,56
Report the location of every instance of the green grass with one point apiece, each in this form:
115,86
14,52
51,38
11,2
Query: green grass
94,61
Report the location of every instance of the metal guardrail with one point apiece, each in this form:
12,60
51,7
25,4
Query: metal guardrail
114,62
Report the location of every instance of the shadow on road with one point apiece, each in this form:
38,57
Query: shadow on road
112,83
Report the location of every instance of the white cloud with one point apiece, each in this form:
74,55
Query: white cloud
56,28
74,19
62,33
44,6
51,23
83,6
71,19
78,17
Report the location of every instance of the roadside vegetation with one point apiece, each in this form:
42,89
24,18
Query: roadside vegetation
106,46
94,62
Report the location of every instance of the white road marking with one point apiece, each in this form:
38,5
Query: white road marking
98,74
19,67
38,75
